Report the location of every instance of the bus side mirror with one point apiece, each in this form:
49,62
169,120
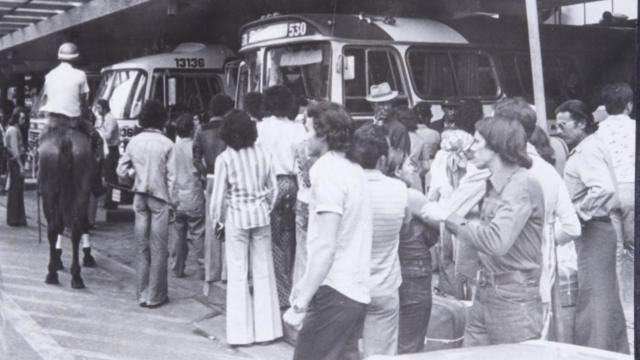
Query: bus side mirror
349,68
171,92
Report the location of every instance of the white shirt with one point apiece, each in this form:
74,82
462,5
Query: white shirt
389,199
280,136
561,221
340,186
63,87
618,132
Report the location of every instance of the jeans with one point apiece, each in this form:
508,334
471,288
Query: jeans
213,258
624,225
415,310
380,332
152,235
191,224
331,328
504,314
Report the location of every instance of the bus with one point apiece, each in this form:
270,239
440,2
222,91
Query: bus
337,57
183,80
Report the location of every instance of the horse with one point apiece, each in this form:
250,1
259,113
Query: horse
66,167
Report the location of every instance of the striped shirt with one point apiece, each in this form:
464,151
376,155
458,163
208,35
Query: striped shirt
389,199
244,181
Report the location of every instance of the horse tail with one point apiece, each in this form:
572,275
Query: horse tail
65,168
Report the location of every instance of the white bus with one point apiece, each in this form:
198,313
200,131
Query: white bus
338,57
184,80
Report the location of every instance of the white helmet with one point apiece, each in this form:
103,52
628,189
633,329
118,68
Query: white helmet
68,51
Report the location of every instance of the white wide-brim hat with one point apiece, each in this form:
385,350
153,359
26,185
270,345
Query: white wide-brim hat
381,93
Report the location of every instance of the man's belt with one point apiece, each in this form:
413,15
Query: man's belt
486,278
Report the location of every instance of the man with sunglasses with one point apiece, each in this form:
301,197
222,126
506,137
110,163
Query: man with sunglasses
592,188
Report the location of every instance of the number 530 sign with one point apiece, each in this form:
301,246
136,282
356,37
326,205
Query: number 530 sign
297,29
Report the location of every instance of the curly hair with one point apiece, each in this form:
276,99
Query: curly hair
278,101
467,115
369,144
253,104
104,104
238,130
184,125
507,138
220,104
616,97
579,112
423,112
335,124
153,115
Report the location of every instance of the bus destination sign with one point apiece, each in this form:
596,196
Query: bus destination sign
276,31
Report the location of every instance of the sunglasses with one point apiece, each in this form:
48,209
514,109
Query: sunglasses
561,125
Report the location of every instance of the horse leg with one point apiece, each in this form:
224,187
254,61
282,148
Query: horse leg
52,234
58,258
76,280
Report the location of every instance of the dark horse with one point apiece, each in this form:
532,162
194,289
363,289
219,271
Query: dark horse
64,180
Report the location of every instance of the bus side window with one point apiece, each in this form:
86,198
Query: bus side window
474,75
432,74
372,66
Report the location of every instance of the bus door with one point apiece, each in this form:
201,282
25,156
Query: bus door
185,91
367,66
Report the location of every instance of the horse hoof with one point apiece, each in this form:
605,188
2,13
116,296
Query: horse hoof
52,279
88,260
77,284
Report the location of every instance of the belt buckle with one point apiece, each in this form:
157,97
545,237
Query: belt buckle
483,279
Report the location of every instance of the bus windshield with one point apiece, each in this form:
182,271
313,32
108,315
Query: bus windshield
125,90
302,68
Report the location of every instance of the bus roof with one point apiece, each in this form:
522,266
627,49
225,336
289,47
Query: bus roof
355,27
215,56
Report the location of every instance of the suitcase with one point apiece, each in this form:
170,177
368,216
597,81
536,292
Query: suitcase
447,322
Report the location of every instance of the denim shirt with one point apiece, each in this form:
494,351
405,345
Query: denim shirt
188,190
150,154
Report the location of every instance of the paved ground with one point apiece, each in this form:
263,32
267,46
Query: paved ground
103,321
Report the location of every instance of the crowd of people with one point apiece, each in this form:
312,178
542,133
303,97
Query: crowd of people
330,225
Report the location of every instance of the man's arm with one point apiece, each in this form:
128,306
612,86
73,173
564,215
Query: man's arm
319,264
498,236
218,194
601,191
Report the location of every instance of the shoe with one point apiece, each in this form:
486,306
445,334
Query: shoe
163,302
143,304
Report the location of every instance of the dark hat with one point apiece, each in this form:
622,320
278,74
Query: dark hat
451,103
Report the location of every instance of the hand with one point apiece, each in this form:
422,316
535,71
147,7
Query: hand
172,215
294,319
219,229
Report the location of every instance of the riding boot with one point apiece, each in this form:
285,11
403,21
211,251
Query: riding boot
88,260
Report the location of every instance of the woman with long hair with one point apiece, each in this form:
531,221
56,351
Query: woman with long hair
14,143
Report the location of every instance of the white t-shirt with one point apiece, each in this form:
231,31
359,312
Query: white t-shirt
62,88
280,136
388,206
340,186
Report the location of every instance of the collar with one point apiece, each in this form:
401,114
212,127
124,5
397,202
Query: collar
215,119
374,174
583,144
616,118
152,130
210,125
500,178
183,140
275,118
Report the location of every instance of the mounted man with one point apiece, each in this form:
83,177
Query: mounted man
69,153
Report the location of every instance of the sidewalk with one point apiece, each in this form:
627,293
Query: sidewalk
114,248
